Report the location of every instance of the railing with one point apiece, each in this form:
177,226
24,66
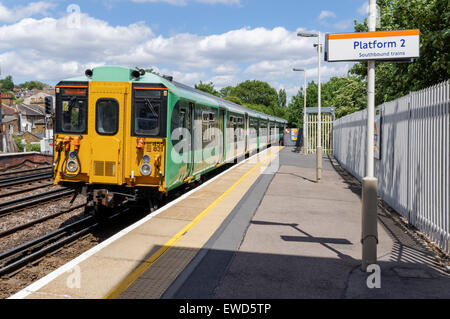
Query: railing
414,167
326,132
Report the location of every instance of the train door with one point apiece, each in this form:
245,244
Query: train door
246,130
222,135
190,127
107,104
235,135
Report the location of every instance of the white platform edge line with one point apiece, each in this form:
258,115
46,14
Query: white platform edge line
34,287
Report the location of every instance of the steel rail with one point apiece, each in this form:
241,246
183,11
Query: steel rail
49,168
24,190
16,180
34,245
39,220
19,203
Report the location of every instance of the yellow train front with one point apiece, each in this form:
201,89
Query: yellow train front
113,136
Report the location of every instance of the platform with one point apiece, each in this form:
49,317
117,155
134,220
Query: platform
159,246
262,229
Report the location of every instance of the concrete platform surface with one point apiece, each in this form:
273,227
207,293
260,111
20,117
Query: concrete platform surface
144,259
290,237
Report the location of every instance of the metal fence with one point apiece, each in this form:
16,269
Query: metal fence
327,117
414,167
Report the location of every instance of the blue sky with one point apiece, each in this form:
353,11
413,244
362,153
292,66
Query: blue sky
223,41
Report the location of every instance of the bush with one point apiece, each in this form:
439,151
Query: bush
18,141
34,148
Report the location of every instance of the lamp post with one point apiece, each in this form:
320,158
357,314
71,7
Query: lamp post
319,114
305,128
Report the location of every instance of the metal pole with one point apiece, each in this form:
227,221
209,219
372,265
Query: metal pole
370,183
319,121
305,127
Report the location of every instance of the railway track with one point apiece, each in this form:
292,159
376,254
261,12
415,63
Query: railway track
16,258
27,171
13,260
25,190
31,200
13,180
39,220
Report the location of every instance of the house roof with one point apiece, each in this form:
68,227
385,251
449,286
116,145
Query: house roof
7,110
30,110
37,135
9,118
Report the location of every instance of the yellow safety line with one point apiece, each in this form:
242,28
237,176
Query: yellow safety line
124,284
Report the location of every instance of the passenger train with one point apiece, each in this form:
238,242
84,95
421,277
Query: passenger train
125,136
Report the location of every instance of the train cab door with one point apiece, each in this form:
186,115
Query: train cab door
222,135
107,104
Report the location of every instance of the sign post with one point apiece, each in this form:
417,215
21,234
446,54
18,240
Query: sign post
384,46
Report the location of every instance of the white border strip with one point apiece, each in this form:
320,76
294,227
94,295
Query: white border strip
34,287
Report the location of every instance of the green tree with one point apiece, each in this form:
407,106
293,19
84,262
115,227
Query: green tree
432,18
311,94
233,99
282,98
7,84
226,91
207,87
294,110
346,94
33,85
256,92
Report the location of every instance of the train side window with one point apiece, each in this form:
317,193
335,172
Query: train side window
107,116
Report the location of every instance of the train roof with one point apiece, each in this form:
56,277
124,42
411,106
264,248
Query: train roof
117,73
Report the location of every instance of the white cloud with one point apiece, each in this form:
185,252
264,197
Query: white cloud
20,12
326,14
226,69
221,81
54,38
364,9
343,24
49,50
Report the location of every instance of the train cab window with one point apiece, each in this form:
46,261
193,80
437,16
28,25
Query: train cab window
73,119
146,117
107,116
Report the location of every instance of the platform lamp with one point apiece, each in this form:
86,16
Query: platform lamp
305,128
319,115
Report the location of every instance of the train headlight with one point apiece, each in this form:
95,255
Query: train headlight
72,155
72,166
146,169
146,158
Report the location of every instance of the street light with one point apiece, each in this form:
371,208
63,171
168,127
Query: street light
305,129
319,114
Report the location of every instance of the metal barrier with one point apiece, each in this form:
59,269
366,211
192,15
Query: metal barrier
327,118
413,168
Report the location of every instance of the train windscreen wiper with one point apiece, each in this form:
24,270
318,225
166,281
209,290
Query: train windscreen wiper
149,106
